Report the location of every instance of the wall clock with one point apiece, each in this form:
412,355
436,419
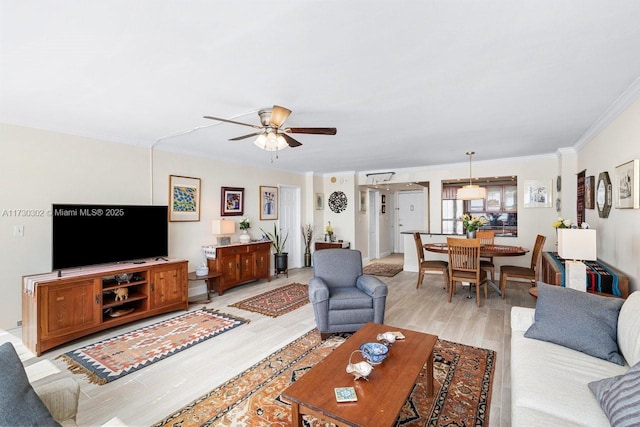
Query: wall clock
603,195
338,201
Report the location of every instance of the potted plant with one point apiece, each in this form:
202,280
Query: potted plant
245,224
280,257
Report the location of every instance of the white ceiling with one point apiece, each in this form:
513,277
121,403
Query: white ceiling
406,84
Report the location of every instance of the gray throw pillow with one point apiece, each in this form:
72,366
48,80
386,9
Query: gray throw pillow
619,397
577,320
19,404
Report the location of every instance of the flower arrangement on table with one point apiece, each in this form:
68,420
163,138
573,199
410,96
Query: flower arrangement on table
562,223
473,223
245,224
329,230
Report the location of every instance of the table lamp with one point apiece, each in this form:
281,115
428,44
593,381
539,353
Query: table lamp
576,245
223,228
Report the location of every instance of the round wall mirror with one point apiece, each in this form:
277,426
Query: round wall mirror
603,195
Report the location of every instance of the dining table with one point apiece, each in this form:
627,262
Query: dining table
486,251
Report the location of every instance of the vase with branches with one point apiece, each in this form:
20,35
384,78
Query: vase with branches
307,235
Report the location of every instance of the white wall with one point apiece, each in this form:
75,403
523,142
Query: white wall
38,168
619,234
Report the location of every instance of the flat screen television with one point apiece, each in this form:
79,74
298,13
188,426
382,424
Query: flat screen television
99,234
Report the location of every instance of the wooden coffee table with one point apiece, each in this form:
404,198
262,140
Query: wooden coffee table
380,399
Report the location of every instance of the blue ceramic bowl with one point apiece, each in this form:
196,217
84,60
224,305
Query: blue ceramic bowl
374,352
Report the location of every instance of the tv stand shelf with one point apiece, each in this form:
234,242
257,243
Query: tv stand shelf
56,310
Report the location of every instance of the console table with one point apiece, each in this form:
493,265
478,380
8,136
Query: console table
552,273
332,245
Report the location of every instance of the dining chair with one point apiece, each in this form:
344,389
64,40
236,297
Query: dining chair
486,263
511,272
429,265
464,265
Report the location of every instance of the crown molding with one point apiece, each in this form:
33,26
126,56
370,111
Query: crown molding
624,101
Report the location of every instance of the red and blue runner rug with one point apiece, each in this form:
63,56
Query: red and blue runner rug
599,277
113,358
278,301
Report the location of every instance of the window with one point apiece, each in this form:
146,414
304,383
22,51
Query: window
500,207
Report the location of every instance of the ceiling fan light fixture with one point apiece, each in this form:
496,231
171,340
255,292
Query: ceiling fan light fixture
471,191
271,142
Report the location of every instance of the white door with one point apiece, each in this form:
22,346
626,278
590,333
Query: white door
410,215
289,222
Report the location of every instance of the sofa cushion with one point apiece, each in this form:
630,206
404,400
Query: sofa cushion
578,320
628,327
348,298
619,397
19,403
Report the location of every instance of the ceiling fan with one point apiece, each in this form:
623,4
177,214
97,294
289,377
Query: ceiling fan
272,136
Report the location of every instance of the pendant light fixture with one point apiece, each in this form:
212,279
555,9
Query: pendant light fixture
471,192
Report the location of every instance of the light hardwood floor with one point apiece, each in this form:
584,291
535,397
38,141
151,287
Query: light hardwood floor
146,396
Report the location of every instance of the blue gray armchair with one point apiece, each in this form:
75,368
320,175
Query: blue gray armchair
343,298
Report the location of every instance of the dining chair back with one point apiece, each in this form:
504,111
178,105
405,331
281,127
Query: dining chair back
515,272
425,266
464,265
486,263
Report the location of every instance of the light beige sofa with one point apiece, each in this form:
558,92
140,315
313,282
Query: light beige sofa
550,382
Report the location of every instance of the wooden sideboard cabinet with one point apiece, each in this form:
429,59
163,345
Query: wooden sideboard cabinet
241,263
56,310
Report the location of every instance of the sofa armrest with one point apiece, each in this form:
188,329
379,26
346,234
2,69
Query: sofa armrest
372,286
61,398
522,318
318,290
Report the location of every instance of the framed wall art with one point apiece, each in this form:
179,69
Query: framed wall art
589,192
231,201
538,193
184,198
363,201
319,201
268,202
627,185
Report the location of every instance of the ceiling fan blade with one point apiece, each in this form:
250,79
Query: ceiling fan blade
316,131
232,121
292,142
238,138
278,115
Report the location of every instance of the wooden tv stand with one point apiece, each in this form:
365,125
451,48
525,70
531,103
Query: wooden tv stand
56,310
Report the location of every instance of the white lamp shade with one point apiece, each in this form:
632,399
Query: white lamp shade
271,142
577,244
222,226
471,192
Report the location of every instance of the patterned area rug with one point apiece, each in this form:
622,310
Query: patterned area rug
121,355
278,301
462,375
382,269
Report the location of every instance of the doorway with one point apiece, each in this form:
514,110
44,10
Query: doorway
374,225
289,223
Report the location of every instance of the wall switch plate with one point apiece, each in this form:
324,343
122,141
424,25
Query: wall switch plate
18,231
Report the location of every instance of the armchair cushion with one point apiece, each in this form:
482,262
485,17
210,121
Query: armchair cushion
19,403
